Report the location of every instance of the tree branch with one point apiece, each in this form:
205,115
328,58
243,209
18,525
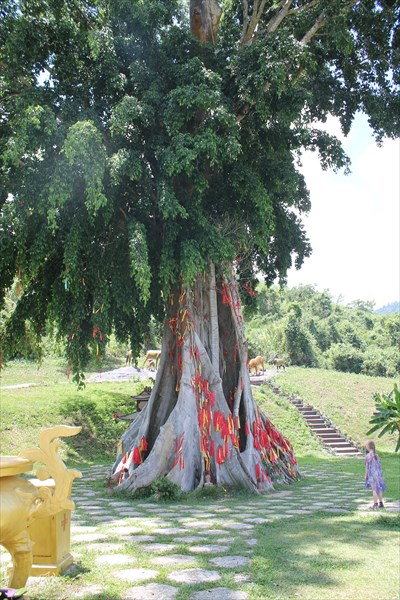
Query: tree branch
299,9
245,17
319,23
248,32
274,23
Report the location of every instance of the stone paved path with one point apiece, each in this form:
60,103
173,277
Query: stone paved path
183,543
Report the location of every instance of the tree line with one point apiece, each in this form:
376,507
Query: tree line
309,328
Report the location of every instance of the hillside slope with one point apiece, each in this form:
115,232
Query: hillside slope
345,398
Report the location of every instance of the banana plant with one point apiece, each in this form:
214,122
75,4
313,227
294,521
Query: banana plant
387,414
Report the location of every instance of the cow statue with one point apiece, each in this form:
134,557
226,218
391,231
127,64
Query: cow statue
256,364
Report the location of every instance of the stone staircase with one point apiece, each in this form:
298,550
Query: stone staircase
325,431
333,440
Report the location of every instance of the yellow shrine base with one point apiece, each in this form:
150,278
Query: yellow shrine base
51,540
35,514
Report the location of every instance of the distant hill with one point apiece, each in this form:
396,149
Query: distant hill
393,307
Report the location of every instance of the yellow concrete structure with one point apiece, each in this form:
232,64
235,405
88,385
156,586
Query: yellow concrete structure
38,513
51,537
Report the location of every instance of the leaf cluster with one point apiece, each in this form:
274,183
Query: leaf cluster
387,414
131,155
309,328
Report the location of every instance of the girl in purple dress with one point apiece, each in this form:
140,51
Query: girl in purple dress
373,476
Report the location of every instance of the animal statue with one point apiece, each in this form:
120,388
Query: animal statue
256,363
152,356
128,359
21,502
279,363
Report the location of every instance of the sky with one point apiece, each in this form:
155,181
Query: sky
354,222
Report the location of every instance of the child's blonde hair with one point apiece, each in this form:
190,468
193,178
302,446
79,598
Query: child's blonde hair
370,445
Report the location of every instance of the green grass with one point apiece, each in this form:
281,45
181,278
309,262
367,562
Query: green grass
289,421
316,556
25,411
51,370
345,398
325,557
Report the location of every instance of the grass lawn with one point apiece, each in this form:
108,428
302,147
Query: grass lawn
318,556
323,557
345,398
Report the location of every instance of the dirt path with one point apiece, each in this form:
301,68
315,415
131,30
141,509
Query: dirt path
128,373
121,374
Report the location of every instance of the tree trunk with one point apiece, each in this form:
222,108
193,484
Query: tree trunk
204,20
201,418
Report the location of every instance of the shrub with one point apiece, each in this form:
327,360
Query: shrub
344,357
387,414
299,344
165,489
381,362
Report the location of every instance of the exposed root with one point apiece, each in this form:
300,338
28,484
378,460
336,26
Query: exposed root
201,420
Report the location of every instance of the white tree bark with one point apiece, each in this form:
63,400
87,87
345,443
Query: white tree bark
201,418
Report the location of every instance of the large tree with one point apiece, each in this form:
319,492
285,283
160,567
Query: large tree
150,158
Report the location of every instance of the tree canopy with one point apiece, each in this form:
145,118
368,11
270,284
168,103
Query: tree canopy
307,327
132,154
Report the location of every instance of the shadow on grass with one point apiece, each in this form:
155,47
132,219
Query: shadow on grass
354,467
318,552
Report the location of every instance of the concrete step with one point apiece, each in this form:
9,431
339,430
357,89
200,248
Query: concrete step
338,443
348,450
328,434
320,430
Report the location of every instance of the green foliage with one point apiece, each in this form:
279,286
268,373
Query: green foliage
131,155
162,490
381,362
308,328
298,343
98,429
344,357
165,489
387,414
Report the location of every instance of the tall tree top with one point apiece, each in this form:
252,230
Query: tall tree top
140,140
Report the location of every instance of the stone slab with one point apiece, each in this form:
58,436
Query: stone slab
251,542
230,562
139,539
160,547
125,530
136,574
103,547
115,559
190,539
208,549
88,590
151,591
174,560
170,531
193,576
88,537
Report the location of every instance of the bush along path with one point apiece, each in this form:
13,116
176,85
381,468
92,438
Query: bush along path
321,426
137,550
